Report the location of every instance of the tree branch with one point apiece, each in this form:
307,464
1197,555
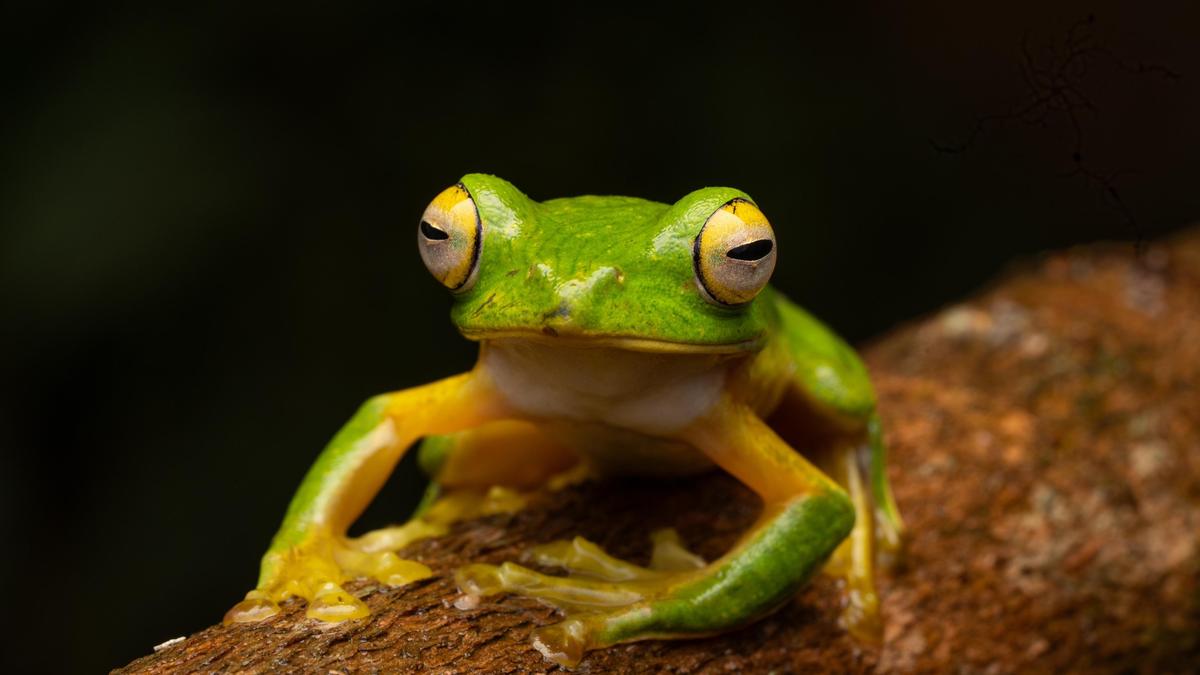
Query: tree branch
1044,453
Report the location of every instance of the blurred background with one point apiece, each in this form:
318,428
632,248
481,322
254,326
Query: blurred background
207,218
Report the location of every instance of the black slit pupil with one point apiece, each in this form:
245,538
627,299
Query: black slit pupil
432,232
755,250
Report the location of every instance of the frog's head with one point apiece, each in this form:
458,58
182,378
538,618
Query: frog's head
617,271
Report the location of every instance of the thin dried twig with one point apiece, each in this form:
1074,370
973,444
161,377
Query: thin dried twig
1055,79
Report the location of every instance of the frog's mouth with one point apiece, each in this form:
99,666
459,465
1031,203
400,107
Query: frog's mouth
548,335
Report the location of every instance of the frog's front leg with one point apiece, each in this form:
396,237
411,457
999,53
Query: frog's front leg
805,516
310,556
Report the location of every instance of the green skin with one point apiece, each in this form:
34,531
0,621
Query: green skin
649,243
632,262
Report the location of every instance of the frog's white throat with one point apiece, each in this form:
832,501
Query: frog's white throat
651,393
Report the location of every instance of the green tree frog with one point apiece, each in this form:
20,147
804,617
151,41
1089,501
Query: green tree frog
617,335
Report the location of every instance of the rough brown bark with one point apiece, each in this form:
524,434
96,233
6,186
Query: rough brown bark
1045,453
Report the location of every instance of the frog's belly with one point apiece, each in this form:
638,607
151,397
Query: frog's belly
611,451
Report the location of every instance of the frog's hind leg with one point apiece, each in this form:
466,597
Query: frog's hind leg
608,601
889,526
855,559
852,453
479,472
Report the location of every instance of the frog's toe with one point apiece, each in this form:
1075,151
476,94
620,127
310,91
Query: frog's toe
581,557
590,604
564,643
565,593
670,555
327,601
257,606
314,572
860,616
594,578
597,590
332,603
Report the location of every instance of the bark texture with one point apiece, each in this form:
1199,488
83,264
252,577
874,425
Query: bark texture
1045,441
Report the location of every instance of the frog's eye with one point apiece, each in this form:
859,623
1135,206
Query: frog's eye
734,253
449,237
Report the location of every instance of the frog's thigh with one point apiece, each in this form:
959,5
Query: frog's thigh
831,387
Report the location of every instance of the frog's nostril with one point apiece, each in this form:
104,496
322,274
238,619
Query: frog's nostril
563,311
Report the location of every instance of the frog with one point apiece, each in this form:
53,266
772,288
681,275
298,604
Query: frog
617,336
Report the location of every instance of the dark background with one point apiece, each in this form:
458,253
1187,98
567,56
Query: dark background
207,256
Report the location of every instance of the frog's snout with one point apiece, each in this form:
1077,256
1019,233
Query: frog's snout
576,293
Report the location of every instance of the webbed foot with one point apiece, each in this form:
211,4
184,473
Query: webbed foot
597,589
875,542
314,570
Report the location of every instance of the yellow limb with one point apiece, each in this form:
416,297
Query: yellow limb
512,453
736,440
608,601
310,556
483,473
854,559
